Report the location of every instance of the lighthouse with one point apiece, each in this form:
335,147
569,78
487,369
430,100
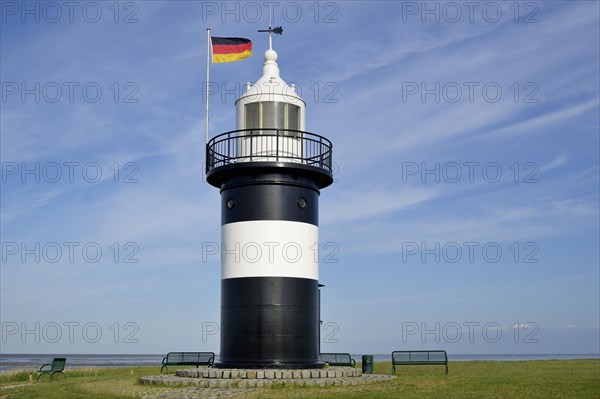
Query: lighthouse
269,171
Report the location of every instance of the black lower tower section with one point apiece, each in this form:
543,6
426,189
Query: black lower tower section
269,322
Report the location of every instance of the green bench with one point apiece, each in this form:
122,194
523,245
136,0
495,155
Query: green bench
188,359
57,366
338,359
407,358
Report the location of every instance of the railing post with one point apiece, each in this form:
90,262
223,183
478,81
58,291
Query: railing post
321,163
251,142
228,149
277,145
302,148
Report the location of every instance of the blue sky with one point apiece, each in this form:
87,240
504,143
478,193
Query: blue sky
496,252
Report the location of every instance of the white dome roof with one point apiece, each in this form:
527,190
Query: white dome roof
270,86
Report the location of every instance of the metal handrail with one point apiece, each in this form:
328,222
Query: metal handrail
232,147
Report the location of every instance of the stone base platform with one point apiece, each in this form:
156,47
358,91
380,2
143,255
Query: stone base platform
252,378
269,374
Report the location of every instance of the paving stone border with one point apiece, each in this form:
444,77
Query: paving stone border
239,378
269,374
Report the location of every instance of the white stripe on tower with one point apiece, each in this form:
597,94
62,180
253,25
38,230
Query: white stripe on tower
269,248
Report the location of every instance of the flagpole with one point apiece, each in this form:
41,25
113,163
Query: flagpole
208,51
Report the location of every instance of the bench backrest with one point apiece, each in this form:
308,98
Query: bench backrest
190,357
58,364
437,356
344,358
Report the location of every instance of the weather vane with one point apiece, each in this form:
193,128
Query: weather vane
277,30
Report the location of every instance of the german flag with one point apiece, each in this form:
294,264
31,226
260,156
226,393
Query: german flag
229,49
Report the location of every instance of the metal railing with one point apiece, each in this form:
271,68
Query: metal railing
269,145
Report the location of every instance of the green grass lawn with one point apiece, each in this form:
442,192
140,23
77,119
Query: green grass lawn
88,383
477,379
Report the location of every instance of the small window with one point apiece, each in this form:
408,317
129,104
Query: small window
252,116
293,117
273,115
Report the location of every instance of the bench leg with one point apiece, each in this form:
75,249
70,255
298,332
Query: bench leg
57,372
446,369
164,367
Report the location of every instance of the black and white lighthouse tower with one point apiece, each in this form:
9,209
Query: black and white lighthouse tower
270,172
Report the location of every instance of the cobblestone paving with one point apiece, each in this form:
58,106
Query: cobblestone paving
199,393
215,383
235,385
171,380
